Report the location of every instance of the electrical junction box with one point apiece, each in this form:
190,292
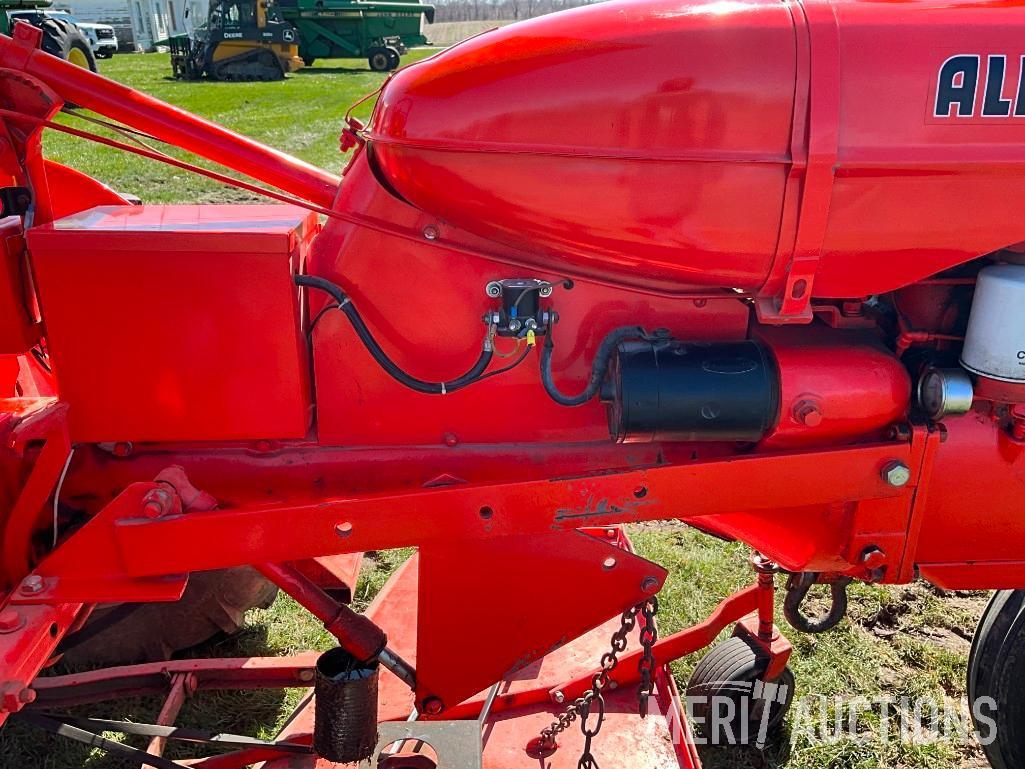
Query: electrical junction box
177,322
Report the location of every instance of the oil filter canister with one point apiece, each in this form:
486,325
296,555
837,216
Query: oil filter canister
994,345
345,708
667,390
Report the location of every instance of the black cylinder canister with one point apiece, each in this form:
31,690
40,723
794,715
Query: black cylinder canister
667,390
345,708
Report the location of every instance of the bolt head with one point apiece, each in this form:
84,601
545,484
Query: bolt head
896,473
558,696
433,706
649,585
155,503
10,620
873,557
32,584
306,675
430,233
808,413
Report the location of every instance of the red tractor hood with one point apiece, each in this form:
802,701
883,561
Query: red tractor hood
716,144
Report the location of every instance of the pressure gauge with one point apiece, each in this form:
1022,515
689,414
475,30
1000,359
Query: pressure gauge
945,392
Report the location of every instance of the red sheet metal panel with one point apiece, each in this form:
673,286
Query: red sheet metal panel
177,322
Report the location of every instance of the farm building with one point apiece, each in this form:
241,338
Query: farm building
139,23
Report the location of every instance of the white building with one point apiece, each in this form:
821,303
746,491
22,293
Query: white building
139,23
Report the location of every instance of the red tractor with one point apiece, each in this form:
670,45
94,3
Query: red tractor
752,266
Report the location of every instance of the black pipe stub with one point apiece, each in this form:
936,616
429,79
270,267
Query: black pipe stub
345,707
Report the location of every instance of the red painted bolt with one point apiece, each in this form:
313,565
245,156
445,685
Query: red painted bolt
451,439
433,706
27,696
873,558
154,504
807,413
32,584
10,620
649,585
541,747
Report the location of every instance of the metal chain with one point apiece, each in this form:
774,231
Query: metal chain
646,665
600,681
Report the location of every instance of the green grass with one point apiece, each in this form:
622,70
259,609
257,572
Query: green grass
902,641
302,115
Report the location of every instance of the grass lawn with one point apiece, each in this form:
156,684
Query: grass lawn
905,641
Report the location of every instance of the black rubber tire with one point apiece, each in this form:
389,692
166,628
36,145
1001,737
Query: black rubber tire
61,38
996,669
214,603
735,661
394,58
378,59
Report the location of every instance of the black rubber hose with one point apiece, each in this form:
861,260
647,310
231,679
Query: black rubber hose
391,368
598,367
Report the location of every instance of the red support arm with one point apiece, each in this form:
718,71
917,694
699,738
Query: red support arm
170,124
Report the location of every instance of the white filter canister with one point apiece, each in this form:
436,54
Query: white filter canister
994,346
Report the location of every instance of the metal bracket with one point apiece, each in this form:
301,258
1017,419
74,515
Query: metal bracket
458,743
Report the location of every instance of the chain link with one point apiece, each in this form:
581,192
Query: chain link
600,681
646,665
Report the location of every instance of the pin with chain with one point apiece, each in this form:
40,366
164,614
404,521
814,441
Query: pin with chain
600,681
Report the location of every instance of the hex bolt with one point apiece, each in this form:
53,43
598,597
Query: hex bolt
306,675
558,696
431,232
807,413
433,706
649,585
896,473
874,561
873,557
10,620
155,503
32,584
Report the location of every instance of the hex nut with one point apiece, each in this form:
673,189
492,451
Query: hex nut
896,473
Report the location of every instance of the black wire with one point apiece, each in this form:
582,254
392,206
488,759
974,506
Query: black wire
599,366
510,367
319,315
391,368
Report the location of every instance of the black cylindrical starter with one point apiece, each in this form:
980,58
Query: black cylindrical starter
345,708
667,390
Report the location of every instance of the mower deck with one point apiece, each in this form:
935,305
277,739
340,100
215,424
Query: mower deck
625,742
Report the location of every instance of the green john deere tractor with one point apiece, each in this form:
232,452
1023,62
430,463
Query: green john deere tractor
238,40
60,37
